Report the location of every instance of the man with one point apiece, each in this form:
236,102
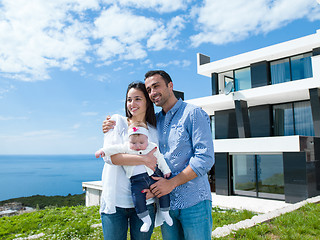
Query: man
185,141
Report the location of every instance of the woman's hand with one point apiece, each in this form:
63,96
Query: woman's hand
150,160
108,124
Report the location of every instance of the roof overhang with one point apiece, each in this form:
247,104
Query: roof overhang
277,51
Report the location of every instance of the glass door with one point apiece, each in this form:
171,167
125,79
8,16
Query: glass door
244,175
258,176
270,176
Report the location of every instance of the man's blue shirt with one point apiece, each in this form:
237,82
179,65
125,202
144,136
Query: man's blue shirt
185,139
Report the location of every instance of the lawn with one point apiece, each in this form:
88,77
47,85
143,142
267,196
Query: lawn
75,223
303,223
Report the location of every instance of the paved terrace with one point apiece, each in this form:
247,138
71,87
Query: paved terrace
253,204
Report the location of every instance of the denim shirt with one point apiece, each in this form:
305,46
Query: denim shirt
185,139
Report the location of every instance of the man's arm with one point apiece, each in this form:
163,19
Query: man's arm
165,186
200,163
108,124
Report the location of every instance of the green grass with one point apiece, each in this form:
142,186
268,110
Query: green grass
303,223
41,201
54,222
75,223
220,217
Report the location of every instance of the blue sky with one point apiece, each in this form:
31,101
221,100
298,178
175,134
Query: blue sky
66,64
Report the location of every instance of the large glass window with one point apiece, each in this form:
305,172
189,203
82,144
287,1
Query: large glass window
290,69
258,175
244,175
301,66
242,79
270,175
293,119
303,119
283,120
280,71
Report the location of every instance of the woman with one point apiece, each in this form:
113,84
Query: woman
117,209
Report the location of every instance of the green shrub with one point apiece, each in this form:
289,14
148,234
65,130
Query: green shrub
41,201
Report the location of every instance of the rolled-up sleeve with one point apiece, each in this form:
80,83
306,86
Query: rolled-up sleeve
202,142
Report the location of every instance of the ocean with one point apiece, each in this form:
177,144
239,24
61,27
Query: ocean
27,175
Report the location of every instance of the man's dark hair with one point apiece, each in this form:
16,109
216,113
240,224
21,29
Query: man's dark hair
162,73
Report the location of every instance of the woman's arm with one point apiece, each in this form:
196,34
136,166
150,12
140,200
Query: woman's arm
131,160
112,135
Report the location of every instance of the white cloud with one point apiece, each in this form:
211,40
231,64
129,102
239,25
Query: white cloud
182,63
220,22
127,36
135,51
147,61
36,35
117,69
104,78
121,33
186,63
162,6
6,89
165,37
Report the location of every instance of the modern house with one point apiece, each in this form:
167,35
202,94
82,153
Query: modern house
265,115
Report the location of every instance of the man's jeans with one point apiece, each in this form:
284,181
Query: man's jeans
115,226
191,223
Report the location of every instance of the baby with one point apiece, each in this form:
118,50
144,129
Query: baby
140,176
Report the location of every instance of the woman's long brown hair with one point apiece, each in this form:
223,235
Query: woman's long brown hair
150,115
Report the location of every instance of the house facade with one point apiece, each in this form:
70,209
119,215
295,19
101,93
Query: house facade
265,115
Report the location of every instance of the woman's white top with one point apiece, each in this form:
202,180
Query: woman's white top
116,190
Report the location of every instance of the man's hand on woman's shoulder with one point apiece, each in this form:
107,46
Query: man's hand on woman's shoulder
108,124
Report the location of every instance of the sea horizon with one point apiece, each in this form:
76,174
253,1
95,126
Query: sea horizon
24,175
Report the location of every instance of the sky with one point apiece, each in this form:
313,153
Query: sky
66,64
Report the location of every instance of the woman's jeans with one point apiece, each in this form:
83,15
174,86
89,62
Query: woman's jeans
144,181
191,223
115,226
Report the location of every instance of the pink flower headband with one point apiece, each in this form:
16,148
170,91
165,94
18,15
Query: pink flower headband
138,130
